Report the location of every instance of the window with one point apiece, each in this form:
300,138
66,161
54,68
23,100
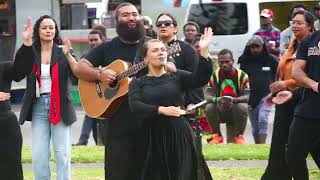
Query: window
224,18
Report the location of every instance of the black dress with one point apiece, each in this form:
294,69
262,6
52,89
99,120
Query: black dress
171,152
10,134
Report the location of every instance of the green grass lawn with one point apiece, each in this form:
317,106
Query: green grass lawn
217,173
92,154
95,154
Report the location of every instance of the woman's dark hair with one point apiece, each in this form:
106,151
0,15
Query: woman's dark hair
36,38
174,21
144,48
309,18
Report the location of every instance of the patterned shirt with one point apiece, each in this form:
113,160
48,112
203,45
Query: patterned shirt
234,84
270,35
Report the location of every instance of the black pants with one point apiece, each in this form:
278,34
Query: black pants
277,168
11,144
304,136
124,156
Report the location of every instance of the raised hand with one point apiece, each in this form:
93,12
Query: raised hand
27,32
66,47
205,41
4,96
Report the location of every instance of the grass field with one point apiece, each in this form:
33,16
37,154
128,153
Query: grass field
95,154
217,173
92,154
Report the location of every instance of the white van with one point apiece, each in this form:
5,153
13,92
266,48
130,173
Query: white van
235,21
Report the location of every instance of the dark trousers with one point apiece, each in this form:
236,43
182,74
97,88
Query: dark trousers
124,156
235,119
10,151
304,137
88,125
277,168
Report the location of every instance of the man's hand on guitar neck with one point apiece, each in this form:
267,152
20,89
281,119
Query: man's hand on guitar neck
106,75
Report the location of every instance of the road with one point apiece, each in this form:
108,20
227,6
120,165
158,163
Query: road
76,128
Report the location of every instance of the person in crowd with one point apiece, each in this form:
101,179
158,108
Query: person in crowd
124,150
157,98
10,133
304,131
47,102
261,68
190,30
227,97
287,36
148,27
102,29
269,33
187,59
95,38
302,25
316,12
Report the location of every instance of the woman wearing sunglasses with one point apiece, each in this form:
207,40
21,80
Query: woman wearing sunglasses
187,59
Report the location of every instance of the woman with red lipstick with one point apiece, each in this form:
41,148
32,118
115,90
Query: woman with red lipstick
47,101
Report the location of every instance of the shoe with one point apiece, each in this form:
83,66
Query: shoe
239,139
216,139
79,144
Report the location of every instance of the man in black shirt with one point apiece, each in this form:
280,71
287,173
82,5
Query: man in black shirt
304,132
124,150
261,68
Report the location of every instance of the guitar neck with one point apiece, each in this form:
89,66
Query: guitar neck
131,71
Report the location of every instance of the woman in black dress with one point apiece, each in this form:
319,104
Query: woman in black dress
158,99
10,134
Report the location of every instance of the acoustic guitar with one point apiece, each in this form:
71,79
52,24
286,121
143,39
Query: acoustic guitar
100,100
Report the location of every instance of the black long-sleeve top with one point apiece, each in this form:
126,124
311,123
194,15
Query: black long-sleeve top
15,71
147,93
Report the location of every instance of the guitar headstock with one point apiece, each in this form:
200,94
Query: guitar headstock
173,50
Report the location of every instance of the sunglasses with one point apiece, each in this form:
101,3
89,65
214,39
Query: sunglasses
165,23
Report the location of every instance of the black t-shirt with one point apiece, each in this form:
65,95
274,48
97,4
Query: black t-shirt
261,72
107,52
122,122
309,51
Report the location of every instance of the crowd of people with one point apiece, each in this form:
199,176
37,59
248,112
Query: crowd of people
150,130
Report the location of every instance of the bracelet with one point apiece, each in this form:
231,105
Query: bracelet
99,73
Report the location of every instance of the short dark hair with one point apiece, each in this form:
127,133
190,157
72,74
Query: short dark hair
174,20
144,48
308,16
224,52
120,6
102,29
192,23
298,6
96,32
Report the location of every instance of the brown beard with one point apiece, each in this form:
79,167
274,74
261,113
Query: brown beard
130,34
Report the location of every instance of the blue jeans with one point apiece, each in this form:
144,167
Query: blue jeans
259,116
42,132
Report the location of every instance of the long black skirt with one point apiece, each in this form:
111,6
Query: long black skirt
171,152
11,144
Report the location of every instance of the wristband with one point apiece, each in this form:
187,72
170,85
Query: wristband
318,87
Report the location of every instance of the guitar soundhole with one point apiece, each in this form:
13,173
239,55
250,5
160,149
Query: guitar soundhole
112,91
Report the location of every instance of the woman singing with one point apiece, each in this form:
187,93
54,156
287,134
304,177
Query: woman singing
158,99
